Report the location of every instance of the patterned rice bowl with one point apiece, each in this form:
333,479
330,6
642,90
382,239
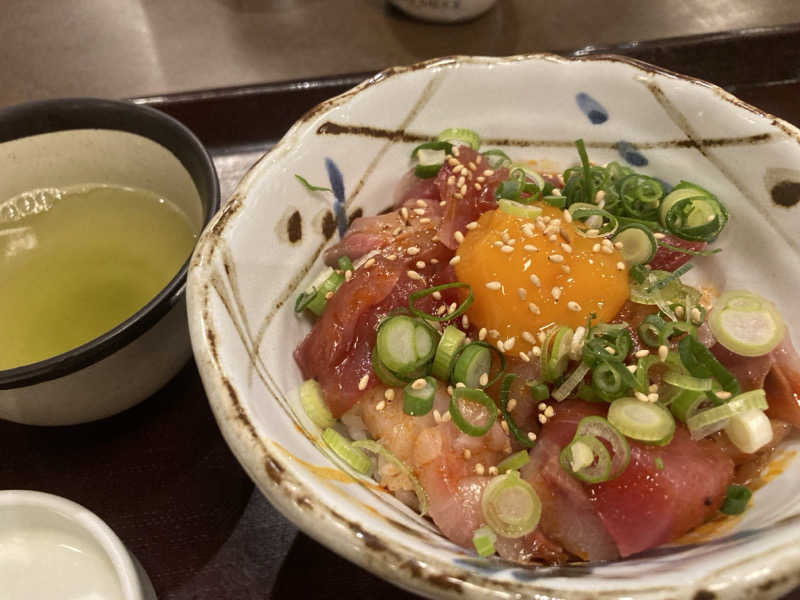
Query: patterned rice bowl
265,245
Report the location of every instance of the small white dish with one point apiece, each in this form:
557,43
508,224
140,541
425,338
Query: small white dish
51,547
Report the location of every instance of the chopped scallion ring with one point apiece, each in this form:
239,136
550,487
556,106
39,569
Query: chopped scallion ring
586,458
404,344
473,396
686,403
638,244
510,505
746,324
313,403
749,431
451,340
513,462
687,382
483,539
711,420
736,499
599,427
502,159
459,135
647,422
700,362
344,449
418,400
517,209
473,360
314,298
607,224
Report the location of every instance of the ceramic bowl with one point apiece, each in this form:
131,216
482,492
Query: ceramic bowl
84,556
265,245
57,143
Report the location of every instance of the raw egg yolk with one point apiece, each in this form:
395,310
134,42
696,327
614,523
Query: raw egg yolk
527,274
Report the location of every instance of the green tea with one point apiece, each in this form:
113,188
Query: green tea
75,262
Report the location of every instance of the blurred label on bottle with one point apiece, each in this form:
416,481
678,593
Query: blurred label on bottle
443,11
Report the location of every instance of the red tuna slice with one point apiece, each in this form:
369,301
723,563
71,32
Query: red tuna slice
569,517
412,188
669,260
365,235
647,506
462,208
782,383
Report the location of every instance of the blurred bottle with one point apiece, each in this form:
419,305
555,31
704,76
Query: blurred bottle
443,11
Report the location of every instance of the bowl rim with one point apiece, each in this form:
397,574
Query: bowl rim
299,502
118,555
64,114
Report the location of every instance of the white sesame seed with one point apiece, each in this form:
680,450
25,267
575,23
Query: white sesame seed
566,269
488,173
592,232
451,180
723,395
419,211
512,404
653,387
404,213
414,275
536,351
524,357
553,237
679,312
662,353
440,310
467,453
460,384
522,293
556,258
652,397
465,321
535,280
556,293
620,266
549,412
455,260
534,309
542,419
329,295
658,235
437,416
362,383
458,236
596,248
695,314
527,230
528,337
493,285
492,471
452,307
566,248
348,275
618,245
556,191
566,213
477,186
412,251
434,261
504,426
479,469
460,181
530,248
482,333
500,346
531,436
472,225
573,306
599,196
642,353
509,343
380,405
419,384
610,350
631,368
450,390
455,151
437,295
389,394
484,379
463,189
505,249
420,264
392,257
640,396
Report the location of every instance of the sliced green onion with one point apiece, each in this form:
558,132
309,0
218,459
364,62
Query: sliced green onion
599,427
501,160
674,276
513,462
642,375
586,458
649,330
640,195
692,213
386,376
460,309
588,181
510,506
527,173
657,287
539,391
687,382
344,449
571,382
686,403
711,420
344,263
310,187
405,344
418,401
517,209
430,161
749,431
638,244
505,390
380,449
474,396
672,330
746,324
736,499
647,422
447,147
313,298
314,404
458,135
584,213
483,539
557,201
472,361
555,352
451,340
700,362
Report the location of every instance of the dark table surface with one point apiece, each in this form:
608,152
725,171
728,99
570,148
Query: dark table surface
161,475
